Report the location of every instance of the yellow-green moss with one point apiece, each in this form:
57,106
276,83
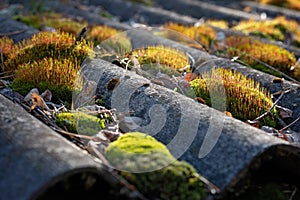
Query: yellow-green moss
55,20
100,33
165,56
218,23
273,29
47,44
293,4
204,33
47,60
140,152
80,123
248,48
245,99
6,46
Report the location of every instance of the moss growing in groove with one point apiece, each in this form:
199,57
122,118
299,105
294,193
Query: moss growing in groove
47,61
80,123
249,49
47,44
6,46
140,152
278,28
55,20
245,99
165,56
293,4
99,33
204,33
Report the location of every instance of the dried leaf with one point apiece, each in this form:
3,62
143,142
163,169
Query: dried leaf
28,97
37,100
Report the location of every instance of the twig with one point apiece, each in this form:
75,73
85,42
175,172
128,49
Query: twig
293,194
72,134
8,76
12,33
261,62
286,127
274,104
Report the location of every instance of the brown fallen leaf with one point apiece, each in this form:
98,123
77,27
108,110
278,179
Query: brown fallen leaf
37,100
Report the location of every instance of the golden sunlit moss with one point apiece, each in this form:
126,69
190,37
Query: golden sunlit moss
204,34
48,60
46,44
66,25
218,23
162,177
293,4
248,48
165,56
55,20
57,74
6,46
246,100
100,33
279,28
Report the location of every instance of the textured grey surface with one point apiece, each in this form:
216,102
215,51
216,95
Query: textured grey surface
33,158
9,26
186,124
204,61
199,9
142,14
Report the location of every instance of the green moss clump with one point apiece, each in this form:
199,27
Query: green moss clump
245,99
249,49
80,123
138,152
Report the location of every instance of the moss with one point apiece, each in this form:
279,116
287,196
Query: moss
145,2
293,4
140,152
55,20
246,100
47,44
80,123
204,33
100,33
6,46
60,93
249,49
278,28
165,56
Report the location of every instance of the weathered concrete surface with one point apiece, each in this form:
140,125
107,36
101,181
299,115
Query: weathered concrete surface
272,11
141,38
142,14
15,30
199,9
188,128
34,159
